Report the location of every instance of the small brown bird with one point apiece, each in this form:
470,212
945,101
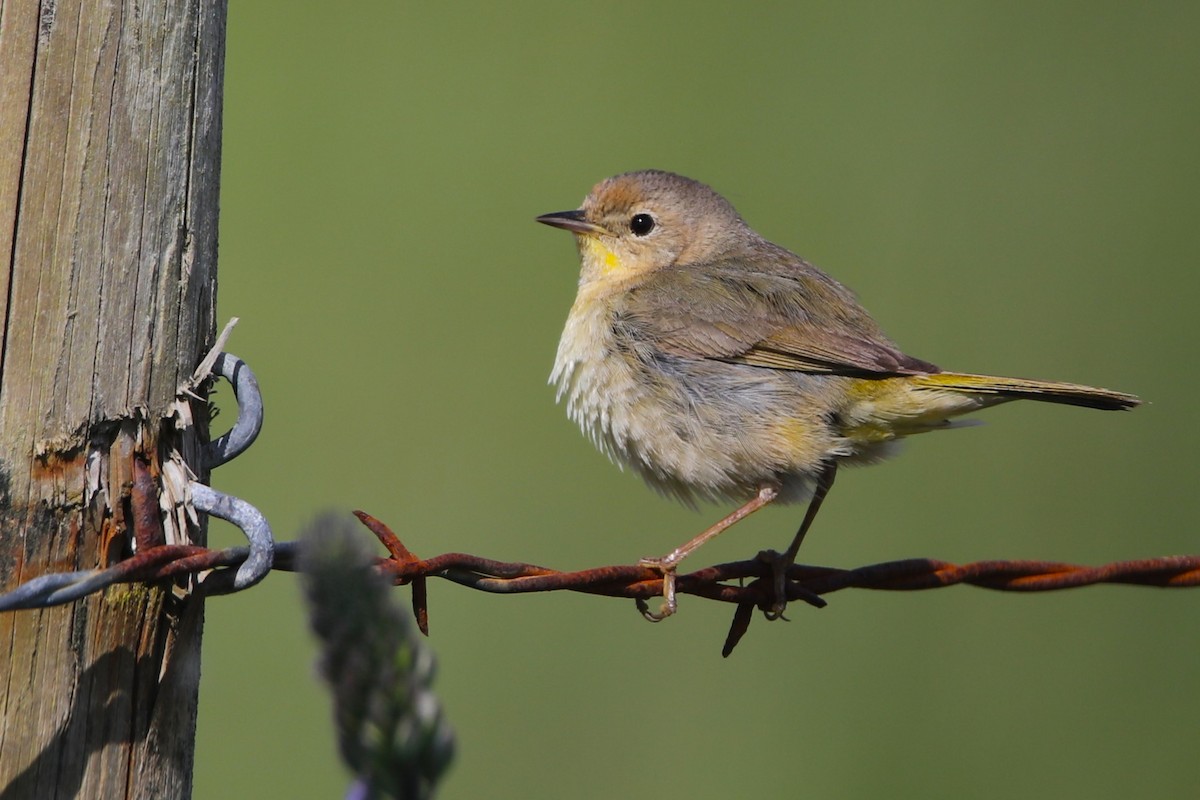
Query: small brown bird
720,366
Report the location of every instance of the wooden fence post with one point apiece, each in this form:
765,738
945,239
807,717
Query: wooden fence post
110,126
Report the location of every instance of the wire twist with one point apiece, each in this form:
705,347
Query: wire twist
151,562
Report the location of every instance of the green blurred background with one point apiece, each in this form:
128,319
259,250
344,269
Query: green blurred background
1010,188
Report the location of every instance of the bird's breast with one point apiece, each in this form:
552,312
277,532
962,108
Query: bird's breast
597,381
691,428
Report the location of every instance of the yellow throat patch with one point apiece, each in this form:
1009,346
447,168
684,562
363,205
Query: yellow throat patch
600,255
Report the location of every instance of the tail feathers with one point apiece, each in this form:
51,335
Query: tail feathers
1071,394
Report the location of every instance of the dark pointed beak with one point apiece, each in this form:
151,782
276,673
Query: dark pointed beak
573,221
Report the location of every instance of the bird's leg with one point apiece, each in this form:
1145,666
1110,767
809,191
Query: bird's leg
781,562
668,563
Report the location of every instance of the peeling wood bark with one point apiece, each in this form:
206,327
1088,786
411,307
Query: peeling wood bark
110,121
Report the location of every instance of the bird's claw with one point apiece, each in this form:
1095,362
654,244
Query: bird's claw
669,605
779,564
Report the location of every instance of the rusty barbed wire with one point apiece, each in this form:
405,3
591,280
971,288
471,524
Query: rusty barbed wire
805,583
747,584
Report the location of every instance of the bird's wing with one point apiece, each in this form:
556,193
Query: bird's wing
796,319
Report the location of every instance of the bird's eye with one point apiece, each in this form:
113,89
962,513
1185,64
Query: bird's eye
641,224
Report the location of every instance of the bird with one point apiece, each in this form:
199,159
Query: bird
720,366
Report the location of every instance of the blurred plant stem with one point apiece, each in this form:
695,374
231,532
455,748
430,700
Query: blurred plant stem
390,727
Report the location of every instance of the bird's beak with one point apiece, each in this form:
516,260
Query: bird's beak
573,221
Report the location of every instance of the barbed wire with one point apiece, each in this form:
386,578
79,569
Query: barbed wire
754,577
747,584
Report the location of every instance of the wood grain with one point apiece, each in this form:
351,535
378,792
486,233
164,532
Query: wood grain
110,120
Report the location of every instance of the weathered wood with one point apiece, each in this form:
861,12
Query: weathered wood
110,120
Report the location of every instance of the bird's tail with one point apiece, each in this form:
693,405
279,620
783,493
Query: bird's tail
1071,394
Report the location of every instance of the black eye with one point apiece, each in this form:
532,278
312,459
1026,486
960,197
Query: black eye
641,224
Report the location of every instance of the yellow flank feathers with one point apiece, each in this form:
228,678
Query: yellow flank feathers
887,409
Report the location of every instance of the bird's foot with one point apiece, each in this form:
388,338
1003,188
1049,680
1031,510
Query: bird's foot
666,565
779,564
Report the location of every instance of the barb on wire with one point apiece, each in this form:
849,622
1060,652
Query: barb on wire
747,584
